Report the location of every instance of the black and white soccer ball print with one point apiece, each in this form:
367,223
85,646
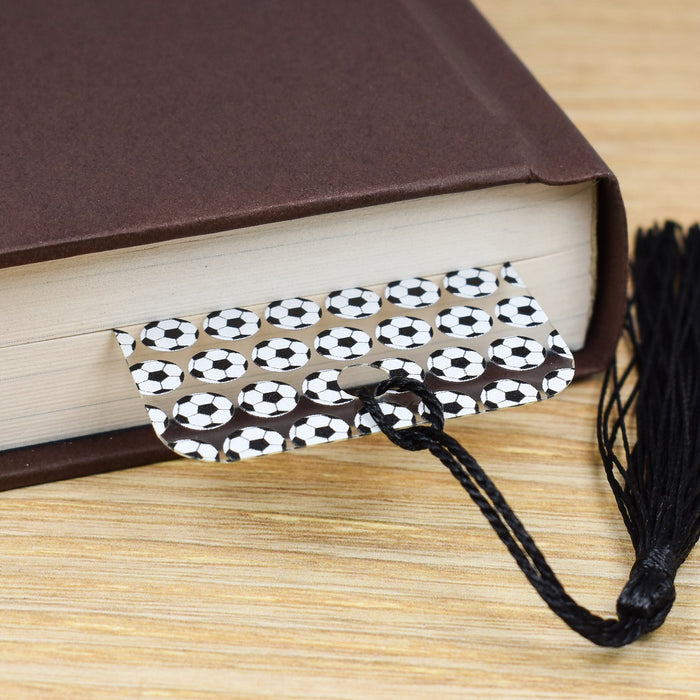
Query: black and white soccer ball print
398,367
159,419
521,312
343,343
169,335
397,416
510,275
217,366
127,342
412,293
456,364
475,335
464,322
354,302
195,449
471,283
504,393
293,314
231,324
558,345
404,332
517,352
203,411
281,354
318,428
268,399
322,387
252,441
454,404
557,380
154,377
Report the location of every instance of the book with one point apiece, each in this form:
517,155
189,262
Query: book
162,160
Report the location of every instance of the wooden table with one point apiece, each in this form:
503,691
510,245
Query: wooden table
357,570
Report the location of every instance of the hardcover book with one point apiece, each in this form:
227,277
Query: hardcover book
166,159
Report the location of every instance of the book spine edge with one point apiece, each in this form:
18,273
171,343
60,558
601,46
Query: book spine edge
82,456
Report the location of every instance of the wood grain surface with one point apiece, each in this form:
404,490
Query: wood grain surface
356,570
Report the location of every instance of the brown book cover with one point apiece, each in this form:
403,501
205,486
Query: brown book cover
140,121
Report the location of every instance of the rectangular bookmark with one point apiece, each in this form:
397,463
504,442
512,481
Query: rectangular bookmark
240,382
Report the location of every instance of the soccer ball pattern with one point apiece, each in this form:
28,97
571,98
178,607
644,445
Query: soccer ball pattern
293,314
169,335
155,377
252,442
456,364
159,419
413,293
343,343
322,387
231,324
195,449
468,350
127,342
397,367
521,312
404,332
558,344
318,428
464,322
281,354
471,283
516,352
268,399
557,381
353,303
508,274
508,392
203,411
397,417
217,366
454,404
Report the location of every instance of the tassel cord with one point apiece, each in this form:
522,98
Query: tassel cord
510,530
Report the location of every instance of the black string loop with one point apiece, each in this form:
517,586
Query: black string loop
417,437
639,612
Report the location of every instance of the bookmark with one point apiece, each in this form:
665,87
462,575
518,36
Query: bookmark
241,382
468,341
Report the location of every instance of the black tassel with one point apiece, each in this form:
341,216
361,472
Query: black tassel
656,482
